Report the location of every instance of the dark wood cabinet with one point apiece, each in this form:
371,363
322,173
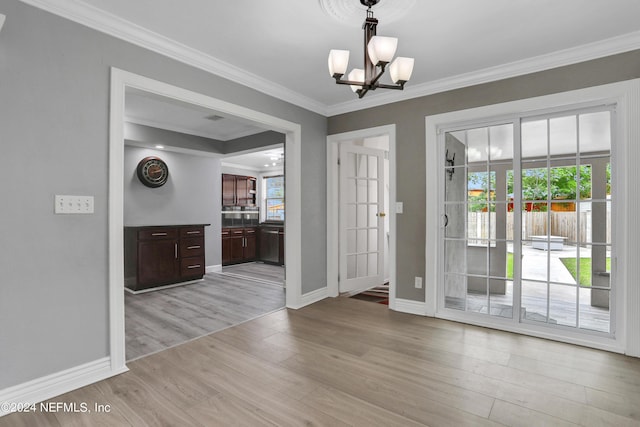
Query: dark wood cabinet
163,255
238,190
238,245
228,190
159,262
250,244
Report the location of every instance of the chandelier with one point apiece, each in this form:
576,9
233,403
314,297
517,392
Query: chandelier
378,52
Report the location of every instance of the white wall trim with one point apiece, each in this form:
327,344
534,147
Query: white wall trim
311,297
238,166
626,96
333,241
115,26
120,80
411,307
49,386
213,268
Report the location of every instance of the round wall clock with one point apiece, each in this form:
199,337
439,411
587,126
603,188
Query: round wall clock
153,172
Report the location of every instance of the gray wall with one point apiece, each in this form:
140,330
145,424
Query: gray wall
409,117
263,139
192,195
151,135
54,119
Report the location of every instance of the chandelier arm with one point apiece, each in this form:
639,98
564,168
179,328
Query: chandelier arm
399,86
348,82
377,77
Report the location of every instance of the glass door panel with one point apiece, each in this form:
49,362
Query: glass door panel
476,220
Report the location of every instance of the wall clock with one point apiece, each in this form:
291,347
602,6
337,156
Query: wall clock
153,172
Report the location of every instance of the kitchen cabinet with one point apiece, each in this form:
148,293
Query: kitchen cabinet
163,255
238,245
238,190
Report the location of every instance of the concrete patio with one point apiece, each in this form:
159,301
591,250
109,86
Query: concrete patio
564,303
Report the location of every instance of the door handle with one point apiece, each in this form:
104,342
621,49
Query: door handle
446,220
381,214
175,250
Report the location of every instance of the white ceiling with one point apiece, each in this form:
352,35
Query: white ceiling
280,47
260,161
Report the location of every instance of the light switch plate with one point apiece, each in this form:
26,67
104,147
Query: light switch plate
73,204
399,207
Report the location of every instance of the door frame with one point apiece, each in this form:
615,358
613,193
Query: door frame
120,81
626,97
333,203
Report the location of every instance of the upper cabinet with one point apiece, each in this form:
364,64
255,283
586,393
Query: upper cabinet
238,190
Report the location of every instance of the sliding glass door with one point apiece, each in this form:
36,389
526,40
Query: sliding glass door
527,211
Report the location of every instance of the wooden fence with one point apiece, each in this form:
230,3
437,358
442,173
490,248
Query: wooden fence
564,224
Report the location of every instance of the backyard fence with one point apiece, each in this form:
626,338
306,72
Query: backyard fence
482,225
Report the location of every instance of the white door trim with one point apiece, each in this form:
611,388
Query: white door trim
626,96
333,241
120,80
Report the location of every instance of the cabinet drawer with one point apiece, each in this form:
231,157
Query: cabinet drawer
192,267
191,231
193,246
159,233
236,232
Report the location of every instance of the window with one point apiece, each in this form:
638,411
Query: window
274,198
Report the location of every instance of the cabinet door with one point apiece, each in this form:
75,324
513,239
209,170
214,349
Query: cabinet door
228,190
157,261
226,249
242,190
251,191
237,248
250,244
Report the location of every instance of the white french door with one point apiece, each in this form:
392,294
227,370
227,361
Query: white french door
526,232
362,215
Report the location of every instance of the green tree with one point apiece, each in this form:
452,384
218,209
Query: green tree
562,183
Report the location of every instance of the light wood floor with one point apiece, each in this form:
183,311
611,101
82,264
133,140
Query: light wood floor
160,319
256,270
349,362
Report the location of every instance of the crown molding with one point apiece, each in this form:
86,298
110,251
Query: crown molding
115,26
587,52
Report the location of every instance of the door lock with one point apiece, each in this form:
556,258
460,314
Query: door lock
381,214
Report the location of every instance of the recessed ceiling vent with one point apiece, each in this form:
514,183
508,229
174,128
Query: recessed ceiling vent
214,118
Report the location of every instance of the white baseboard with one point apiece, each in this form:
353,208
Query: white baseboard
410,306
213,268
53,385
311,297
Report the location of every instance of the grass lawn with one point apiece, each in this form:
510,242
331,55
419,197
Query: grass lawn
585,268
509,265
